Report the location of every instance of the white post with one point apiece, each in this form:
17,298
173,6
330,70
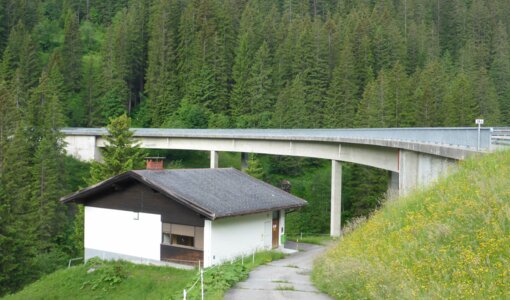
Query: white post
214,159
202,282
184,294
478,122
336,197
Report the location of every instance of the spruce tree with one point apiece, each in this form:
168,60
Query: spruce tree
162,84
500,72
120,153
72,53
48,173
342,98
260,88
254,167
241,71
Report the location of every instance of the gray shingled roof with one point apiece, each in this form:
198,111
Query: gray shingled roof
214,193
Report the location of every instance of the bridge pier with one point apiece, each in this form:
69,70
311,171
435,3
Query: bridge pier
336,198
393,188
214,159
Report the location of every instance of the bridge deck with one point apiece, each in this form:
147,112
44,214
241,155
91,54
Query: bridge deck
458,137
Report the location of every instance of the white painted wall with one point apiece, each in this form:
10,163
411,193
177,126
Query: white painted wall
232,237
120,232
207,243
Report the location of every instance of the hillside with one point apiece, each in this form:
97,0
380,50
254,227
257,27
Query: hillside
449,241
124,280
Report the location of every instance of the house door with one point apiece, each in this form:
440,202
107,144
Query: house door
276,225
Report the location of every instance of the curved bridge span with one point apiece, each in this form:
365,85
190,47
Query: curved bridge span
414,156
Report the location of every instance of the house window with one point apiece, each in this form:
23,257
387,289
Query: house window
183,240
183,236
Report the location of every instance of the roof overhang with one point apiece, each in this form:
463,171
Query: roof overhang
82,196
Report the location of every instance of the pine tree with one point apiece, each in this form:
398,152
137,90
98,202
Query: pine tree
120,154
19,246
8,118
500,71
260,88
241,72
342,100
254,167
72,53
91,86
429,95
486,98
460,104
290,111
48,173
162,84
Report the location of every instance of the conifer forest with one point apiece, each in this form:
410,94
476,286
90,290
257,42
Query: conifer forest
228,64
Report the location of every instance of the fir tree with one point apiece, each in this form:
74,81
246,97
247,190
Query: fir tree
500,71
120,154
241,71
342,99
254,167
72,53
162,84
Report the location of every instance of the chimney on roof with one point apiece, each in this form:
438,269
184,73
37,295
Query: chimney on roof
154,163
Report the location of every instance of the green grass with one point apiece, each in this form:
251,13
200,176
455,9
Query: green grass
285,288
451,241
140,282
124,280
312,239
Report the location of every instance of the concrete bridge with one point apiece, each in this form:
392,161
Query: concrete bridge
414,156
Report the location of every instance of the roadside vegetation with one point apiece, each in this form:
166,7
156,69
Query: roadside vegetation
99,279
449,241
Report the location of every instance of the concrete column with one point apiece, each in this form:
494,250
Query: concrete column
244,161
214,159
336,198
393,185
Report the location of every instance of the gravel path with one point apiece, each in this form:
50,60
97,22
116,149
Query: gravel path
287,278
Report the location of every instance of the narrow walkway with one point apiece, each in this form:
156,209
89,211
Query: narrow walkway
288,278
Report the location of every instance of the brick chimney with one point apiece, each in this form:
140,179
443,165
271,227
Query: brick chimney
154,163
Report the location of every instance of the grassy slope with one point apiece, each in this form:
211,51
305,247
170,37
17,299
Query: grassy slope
449,241
139,281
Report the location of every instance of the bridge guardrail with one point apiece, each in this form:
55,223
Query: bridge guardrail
463,137
501,136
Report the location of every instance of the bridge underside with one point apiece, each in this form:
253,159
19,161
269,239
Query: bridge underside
409,169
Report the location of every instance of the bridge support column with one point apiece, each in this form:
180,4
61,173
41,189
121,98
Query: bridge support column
214,159
244,161
393,185
336,198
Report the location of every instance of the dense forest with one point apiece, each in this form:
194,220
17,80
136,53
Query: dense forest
228,64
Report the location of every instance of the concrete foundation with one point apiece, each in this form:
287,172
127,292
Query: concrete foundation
420,169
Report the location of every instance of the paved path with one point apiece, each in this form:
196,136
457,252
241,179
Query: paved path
288,278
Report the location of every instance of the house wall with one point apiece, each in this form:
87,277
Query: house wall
133,196
119,234
228,238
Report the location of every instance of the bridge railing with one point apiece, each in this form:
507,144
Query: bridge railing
463,137
501,136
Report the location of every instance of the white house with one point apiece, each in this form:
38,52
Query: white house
182,216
